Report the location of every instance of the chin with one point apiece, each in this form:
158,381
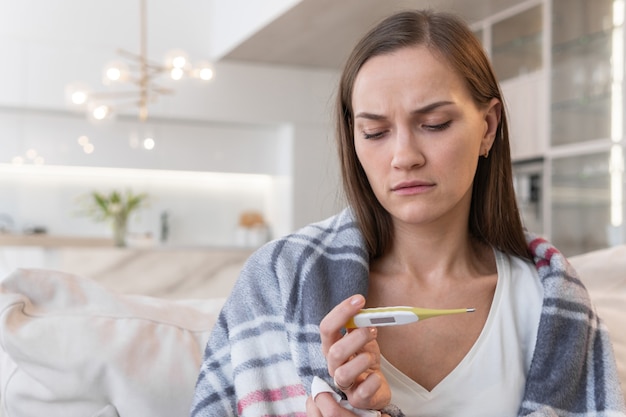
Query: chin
418,215
413,217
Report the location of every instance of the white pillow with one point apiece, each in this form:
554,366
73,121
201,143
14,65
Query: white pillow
72,348
602,270
604,274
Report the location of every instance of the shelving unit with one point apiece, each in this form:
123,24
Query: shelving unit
586,107
516,44
567,115
581,70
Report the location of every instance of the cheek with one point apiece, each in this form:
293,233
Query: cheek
457,160
464,166
362,156
467,143
368,158
372,163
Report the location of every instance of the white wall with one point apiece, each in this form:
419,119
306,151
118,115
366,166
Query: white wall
180,145
233,21
315,175
251,119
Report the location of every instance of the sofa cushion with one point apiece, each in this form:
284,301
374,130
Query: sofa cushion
604,274
69,347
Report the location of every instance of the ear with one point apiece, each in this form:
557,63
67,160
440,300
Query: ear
493,114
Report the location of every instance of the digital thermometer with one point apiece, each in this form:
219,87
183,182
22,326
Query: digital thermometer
394,316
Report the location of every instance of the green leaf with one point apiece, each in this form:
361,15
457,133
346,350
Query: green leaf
114,205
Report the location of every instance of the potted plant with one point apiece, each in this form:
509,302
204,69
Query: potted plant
116,208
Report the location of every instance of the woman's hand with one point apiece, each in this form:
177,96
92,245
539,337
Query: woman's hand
325,405
354,358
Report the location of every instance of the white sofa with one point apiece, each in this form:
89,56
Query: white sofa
73,347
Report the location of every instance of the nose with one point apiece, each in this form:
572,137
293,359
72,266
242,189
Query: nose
407,151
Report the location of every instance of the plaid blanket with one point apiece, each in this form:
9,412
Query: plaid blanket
265,348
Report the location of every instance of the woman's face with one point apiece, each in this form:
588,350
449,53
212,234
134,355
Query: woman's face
418,135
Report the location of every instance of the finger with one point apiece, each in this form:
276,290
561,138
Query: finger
311,408
371,393
350,345
348,353
335,320
352,371
328,406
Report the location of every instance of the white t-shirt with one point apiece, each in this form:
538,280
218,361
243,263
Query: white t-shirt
490,380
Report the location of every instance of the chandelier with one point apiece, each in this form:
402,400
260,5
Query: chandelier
138,71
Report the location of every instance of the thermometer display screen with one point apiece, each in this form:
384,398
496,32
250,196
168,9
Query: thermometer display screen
383,320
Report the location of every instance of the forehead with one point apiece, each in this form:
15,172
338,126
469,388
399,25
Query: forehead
414,73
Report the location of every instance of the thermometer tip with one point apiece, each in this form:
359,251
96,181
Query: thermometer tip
471,310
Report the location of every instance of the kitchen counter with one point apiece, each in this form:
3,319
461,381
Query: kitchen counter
44,240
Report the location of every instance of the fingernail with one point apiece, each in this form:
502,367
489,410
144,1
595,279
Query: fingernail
356,300
373,331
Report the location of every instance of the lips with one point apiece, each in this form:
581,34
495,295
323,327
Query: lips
412,187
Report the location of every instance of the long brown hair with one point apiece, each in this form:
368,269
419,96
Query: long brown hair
494,217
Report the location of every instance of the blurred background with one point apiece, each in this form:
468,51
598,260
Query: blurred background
220,111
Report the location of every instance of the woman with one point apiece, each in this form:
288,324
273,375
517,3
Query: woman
432,222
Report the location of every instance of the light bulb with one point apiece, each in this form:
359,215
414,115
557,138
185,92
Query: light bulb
176,73
148,143
101,112
177,59
79,97
88,148
203,70
83,140
206,74
115,72
179,62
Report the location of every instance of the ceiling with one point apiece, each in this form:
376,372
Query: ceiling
313,33
321,33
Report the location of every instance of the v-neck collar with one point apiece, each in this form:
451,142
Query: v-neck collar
418,389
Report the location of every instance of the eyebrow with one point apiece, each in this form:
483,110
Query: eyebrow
423,110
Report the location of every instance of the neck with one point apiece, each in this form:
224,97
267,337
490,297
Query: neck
434,255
